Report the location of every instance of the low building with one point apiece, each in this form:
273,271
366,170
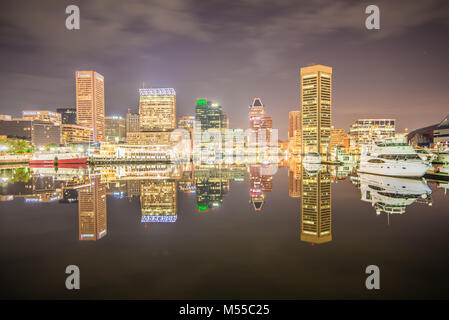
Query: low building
430,136
132,122
339,139
39,133
365,131
72,133
43,115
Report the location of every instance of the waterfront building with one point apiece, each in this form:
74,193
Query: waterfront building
316,207
365,131
68,115
316,105
5,117
294,131
157,109
92,215
43,115
115,129
437,134
90,102
294,178
210,115
260,125
260,181
132,122
72,133
339,139
159,200
39,133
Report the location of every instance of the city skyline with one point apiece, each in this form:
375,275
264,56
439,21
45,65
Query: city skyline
378,74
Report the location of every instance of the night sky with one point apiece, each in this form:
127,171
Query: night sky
231,51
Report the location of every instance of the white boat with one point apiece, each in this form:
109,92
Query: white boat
392,157
391,194
312,157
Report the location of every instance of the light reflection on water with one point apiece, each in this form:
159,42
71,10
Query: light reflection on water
192,231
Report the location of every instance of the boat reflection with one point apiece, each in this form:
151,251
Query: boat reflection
393,195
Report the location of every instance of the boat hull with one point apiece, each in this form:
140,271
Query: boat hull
406,170
60,161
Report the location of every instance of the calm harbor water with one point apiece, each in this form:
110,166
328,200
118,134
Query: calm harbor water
171,231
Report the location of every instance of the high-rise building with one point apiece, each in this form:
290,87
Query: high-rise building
43,115
294,178
92,216
115,129
259,124
157,109
316,224
365,131
259,183
210,115
68,115
90,102
132,122
316,97
294,131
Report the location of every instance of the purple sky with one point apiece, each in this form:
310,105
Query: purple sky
231,51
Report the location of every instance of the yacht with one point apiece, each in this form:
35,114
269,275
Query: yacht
312,157
391,194
392,157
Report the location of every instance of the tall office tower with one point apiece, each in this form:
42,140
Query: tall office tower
42,115
132,122
259,124
68,115
90,102
157,109
316,206
316,97
159,200
115,129
210,115
92,219
294,132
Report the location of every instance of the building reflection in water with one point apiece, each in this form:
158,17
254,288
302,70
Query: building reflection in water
260,181
294,178
92,215
392,195
159,200
316,208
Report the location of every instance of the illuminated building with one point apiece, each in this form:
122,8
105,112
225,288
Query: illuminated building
316,207
92,219
259,124
90,102
187,123
210,115
5,117
72,133
294,131
365,131
146,138
68,115
39,133
159,200
339,138
42,115
157,109
132,122
115,128
316,90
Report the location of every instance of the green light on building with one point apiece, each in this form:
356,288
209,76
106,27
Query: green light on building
201,101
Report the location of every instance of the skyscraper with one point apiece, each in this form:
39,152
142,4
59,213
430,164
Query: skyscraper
259,124
316,90
157,109
210,115
90,102
294,131
132,122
